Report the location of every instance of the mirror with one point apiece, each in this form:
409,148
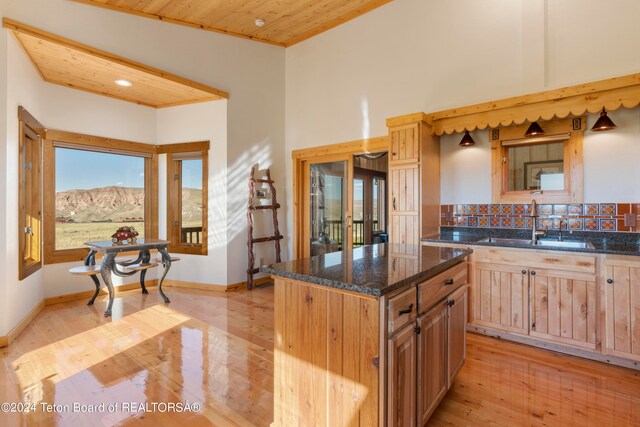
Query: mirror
536,167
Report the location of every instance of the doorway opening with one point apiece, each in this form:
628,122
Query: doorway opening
370,199
347,202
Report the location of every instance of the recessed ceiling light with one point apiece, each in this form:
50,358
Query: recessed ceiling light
259,22
122,82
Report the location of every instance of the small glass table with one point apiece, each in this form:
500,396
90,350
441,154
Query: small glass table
108,266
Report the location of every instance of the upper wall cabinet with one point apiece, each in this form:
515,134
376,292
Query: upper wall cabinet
546,167
405,143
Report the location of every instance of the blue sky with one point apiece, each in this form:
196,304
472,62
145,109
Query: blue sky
83,170
192,173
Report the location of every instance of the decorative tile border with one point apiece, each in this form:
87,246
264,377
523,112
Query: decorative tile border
577,216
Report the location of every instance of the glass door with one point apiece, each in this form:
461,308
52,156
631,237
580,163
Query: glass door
369,207
360,211
328,203
379,209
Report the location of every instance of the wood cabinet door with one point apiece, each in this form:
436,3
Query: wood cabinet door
404,205
563,307
405,189
401,390
456,332
623,311
501,297
432,375
405,143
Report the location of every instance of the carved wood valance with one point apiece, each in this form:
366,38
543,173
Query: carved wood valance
576,100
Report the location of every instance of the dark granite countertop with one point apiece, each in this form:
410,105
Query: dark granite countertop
370,269
603,242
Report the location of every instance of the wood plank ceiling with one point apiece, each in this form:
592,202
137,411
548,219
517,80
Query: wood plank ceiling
71,64
287,22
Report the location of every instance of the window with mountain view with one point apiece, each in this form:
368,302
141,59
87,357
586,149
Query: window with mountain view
95,193
187,202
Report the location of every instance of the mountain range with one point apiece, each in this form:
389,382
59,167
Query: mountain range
116,204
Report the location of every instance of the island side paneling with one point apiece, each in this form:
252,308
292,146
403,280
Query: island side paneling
326,356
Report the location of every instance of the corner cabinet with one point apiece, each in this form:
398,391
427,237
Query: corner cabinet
426,354
414,179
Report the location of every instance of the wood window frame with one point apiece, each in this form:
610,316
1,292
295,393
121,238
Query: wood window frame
174,189
31,134
573,162
53,256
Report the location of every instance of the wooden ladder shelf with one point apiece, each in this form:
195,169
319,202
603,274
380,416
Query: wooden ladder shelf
251,209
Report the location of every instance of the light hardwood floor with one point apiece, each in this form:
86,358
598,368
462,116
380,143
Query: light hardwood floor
216,349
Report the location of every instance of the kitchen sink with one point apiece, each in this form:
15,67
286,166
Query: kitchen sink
500,241
565,244
547,243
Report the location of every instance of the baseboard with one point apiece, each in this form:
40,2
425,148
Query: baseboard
13,334
213,286
558,348
256,283
194,285
88,294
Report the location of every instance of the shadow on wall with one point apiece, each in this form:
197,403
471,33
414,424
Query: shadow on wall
217,234
238,187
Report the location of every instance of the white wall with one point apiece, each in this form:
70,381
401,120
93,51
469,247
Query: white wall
406,56
591,40
4,328
465,172
190,123
429,55
612,159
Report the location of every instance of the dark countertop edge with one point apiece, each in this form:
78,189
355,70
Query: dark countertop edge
327,283
535,248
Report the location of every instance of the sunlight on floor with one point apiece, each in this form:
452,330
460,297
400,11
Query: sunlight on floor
63,359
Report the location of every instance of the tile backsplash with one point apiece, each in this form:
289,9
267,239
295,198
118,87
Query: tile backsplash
577,216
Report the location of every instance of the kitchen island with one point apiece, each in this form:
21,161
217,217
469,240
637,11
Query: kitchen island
372,336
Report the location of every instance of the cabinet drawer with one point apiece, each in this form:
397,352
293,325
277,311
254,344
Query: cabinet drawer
438,287
402,309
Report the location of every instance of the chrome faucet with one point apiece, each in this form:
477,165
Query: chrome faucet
535,233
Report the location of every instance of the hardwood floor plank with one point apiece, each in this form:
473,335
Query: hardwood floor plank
509,384
216,348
